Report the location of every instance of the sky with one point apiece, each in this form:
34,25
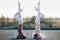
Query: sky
50,8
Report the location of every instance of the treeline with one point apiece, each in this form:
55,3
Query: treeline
29,22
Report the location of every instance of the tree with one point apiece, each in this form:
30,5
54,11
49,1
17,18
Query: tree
33,19
2,21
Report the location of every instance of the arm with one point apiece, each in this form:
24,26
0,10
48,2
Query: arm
19,7
16,15
39,3
41,15
38,9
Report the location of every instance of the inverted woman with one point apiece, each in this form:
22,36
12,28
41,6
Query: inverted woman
18,17
39,17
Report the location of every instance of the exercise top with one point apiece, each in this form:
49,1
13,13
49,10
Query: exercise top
39,15
17,16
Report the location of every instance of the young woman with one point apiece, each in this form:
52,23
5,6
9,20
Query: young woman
20,22
37,22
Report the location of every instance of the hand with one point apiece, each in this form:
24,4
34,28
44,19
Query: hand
19,3
38,2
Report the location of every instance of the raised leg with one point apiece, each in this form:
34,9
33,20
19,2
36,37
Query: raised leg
37,34
20,33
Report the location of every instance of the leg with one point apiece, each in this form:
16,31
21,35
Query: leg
20,30
37,34
37,28
20,33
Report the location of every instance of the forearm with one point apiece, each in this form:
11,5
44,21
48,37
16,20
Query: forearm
15,17
41,15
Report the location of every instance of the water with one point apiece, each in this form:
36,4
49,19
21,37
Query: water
12,34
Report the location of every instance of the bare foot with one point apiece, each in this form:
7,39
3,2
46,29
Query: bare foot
37,36
21,36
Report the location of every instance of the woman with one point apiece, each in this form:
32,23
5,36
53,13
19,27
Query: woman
37,22
20,22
